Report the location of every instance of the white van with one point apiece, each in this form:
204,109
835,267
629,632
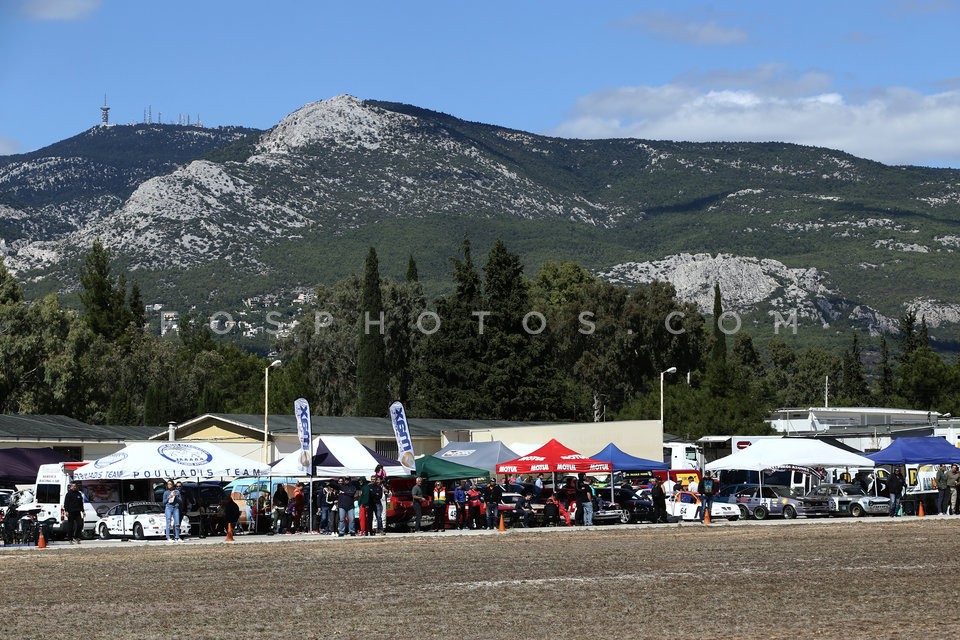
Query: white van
47,498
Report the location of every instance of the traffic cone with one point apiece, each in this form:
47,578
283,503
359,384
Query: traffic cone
229,532
706,515
501,527
920,512
41,541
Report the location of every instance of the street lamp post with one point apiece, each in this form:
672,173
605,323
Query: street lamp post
266,404
662,373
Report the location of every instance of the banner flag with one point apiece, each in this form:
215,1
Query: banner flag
301,410
402,430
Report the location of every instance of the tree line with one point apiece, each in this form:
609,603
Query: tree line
561,346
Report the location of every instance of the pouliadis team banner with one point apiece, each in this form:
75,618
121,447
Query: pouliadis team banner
301,410
402,430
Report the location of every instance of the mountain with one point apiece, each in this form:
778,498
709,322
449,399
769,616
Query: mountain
209,217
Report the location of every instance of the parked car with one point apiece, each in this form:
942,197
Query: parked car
634,505
851,499
139,520
761,501
684,505
202,500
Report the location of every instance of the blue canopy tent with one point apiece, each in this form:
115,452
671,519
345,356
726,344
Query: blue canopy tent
917,450
623,461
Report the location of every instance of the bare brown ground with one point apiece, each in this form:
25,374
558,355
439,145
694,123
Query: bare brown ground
830,580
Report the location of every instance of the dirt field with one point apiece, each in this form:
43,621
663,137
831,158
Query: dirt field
837,579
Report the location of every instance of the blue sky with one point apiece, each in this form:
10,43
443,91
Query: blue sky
879,79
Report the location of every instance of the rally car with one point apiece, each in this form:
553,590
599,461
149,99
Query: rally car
851,499
136,519
684,505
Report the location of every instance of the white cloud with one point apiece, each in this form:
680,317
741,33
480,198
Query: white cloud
893,126
8,146
59,9
688,31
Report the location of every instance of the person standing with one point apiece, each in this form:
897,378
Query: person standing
280,502
588,503
538,485
492,498
348,493
171,510
953,477
895,486
375,507
417,498
580,497
943,492
330,498
439,506
659,497
460,498
707,488
73,505
366,513
474,501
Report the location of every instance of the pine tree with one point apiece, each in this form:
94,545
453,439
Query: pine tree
373,398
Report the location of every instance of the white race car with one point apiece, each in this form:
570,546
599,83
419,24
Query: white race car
684,505
136,519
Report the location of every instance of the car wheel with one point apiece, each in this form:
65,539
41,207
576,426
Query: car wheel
744,512
760,513
856,510
625,517
88,534
789,512
104,532
137,531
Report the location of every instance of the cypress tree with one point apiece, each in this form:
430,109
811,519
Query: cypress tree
373,398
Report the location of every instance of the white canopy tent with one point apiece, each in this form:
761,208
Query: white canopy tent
160,460
338,456
777,452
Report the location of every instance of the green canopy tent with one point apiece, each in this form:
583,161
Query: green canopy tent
431,468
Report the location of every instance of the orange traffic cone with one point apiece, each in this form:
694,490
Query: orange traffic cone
41,541
920,512
501,527
706,515
229,532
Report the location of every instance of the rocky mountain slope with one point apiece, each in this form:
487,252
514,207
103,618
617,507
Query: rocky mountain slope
780,226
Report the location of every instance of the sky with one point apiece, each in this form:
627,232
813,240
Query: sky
879,79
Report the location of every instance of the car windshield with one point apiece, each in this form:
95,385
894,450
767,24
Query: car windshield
853,490
139,509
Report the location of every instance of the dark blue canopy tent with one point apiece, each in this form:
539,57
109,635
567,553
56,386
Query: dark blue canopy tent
19,465
917,450
625,462
622,461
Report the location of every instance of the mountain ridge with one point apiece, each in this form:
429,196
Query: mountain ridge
293,204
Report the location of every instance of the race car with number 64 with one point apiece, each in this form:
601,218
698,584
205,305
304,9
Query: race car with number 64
684,505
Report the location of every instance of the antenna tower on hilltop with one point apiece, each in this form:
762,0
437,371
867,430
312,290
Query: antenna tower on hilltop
104,113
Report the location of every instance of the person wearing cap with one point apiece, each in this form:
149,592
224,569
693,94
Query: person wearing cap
707,488
895,486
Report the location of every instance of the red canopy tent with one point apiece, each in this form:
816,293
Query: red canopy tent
554,457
